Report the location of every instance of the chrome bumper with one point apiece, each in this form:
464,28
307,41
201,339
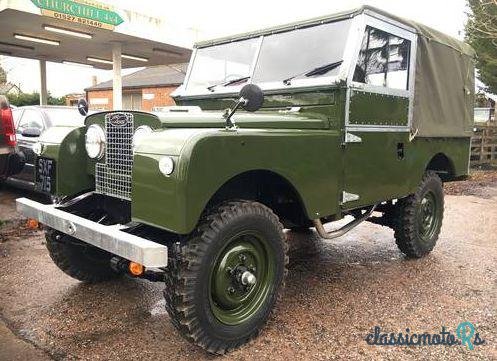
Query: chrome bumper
109,238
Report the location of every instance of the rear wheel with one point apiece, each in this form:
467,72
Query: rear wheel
419,217
223,282
78,259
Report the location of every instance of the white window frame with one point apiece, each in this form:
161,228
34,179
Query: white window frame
345,73
394,28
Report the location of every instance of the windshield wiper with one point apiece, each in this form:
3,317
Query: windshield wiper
320,70
230,82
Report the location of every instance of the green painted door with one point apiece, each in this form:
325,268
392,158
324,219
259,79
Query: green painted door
374,148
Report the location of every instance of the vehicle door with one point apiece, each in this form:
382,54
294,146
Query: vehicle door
378,114
29,128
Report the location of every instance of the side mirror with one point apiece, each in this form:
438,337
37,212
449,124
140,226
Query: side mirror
253,97
83,107
31,132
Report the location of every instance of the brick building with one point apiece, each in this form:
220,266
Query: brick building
142,90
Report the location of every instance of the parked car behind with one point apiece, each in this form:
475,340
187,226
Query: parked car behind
10,160
30,122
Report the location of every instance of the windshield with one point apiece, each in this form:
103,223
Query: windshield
288,54
60,117
222,63
292,54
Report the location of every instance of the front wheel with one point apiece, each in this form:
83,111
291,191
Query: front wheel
224,280
419,217
78,259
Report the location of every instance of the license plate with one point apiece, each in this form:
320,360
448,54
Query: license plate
45,175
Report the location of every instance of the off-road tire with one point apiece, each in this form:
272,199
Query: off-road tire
74,259
192,263
408,232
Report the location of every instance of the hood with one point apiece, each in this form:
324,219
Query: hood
260,120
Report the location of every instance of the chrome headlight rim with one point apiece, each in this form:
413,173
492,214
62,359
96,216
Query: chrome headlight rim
99,141
141,131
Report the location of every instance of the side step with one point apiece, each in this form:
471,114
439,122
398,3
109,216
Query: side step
341,231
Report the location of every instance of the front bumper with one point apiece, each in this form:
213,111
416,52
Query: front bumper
108,238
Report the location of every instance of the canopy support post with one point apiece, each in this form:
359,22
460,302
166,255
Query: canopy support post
117,88
43,82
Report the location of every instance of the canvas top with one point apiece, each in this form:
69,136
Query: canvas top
423,30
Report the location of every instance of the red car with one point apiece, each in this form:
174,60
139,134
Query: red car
11,161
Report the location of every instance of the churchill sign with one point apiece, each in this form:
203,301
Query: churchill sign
84,12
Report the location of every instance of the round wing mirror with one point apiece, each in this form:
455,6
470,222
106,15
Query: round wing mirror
253,97
83,107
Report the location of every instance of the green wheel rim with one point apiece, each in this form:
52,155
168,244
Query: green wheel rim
232,300
427,217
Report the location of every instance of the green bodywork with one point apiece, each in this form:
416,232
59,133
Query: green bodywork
312,151
304,148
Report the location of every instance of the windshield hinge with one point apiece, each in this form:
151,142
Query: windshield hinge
352,138
349,197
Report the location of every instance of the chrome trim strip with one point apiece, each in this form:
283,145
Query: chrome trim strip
377,128
108,238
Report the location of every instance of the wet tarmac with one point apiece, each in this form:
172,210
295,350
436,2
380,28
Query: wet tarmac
337,292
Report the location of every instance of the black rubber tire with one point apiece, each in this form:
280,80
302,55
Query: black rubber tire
74,259
406,227
187,297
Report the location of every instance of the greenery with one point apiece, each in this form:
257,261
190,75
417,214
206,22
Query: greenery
3,75
481,34
22,99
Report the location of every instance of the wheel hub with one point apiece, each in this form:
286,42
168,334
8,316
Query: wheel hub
427,217
248,279
240,279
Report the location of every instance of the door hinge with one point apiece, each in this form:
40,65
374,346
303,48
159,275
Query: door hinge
349,197
352,138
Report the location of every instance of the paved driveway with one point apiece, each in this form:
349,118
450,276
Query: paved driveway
337,291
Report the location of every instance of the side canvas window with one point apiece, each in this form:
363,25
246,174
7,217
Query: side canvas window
383,60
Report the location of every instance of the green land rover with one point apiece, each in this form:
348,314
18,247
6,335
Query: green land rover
358,114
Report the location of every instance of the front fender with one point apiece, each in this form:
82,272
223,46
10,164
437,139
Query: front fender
210,157
66,145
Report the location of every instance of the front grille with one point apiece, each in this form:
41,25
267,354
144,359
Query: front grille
113,178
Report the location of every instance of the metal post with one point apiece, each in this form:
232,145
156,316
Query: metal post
117,91
43,83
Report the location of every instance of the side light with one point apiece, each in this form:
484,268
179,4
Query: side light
166,165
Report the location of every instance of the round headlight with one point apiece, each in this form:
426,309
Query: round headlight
166,165
95,141
141,132
38,148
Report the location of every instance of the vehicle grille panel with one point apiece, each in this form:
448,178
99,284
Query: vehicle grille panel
113,177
